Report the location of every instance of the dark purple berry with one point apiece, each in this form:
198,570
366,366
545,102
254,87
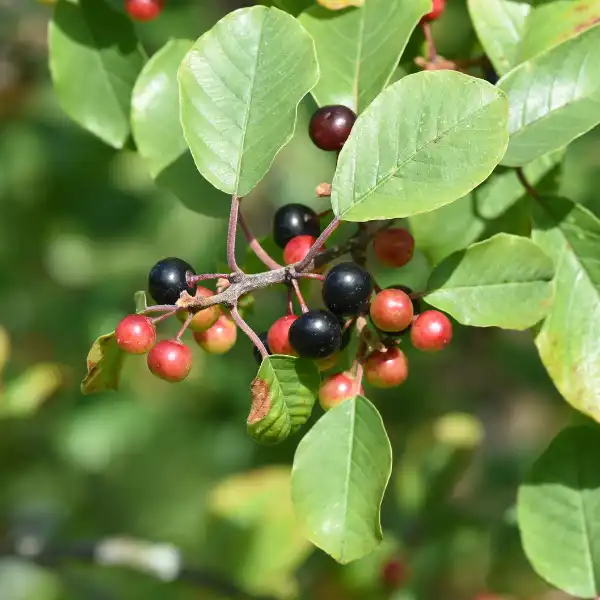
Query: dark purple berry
347,289
168,279
293,220
316,334
330,126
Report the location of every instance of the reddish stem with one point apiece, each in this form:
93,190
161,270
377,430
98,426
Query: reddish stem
260,252
316,247
431,50
239,320
296,287
231,233
311,276
525,183
290,300
184,326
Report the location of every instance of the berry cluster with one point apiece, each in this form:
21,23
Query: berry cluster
171,360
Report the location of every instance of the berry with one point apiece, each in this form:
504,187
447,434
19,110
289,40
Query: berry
316,334
330,126
337,388
293,220
394,247
170,360
394,573
416,302
297,248
391,311
205,318
263,338
279,336
168,279
346,289
135,334
438,8
386,369
144,10
431,331
220,338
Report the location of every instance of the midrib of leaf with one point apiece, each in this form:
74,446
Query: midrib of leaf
438,138
514,31
348,469
487,285
361,33
281,394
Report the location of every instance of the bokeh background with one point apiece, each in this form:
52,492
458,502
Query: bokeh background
80,226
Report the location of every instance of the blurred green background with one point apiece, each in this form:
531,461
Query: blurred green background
80,226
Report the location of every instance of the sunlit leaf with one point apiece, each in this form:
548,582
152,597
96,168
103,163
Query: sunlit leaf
104,364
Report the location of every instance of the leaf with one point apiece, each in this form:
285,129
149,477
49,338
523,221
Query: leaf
283,396
450,228
358,50
426,140
553,99
569,339
266,545
95,58
504,281
240,87
159,137
140,300
340,4
104,364
341,469
559,513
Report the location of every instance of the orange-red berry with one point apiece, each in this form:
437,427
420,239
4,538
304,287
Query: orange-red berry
218,339
135,334
394,247
144,10
170,360
278,336
431,331
391,310
386,369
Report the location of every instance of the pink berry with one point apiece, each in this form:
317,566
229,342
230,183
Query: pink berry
220,338
170,360
144,10
297,248
431,331
394,247
386,369
205,318
135,334
278,336
337,388
438,8
394,573
391,310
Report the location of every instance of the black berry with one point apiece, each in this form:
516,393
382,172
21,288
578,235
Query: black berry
168,279
263,339
293,220
316,334
330,126
346,289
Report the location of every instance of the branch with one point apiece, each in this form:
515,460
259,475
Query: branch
525,183
231,233
163,561
316,247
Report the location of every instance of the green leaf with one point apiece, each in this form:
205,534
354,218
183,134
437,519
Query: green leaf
94,61
159,137
341,469
512,31
240,87
425,141
359,49
104,364
504,281
450,228
569,339
140,300
553,98
283,396
559,513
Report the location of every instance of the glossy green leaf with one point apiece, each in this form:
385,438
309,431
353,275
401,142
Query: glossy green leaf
341,469
95,59
559,513
569,339
240,86
425,141
159,137
553,98
283,396
489,208
358,49
104,364
513,31
504,281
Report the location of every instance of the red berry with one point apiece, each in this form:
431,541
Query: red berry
431,331
135,334
394,247
170,360
386,369
297,248
337,388
205,318
394,573
330,126
144,10
279,336
220,338
391,310
438,8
